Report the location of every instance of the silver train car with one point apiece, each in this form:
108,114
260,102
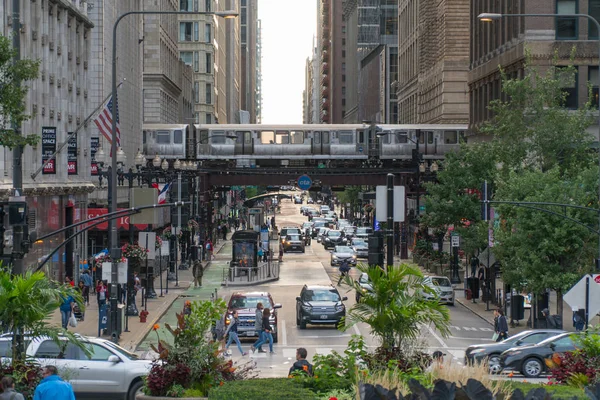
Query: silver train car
348,146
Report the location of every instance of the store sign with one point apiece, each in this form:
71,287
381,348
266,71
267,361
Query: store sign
95,144
48,149
72,155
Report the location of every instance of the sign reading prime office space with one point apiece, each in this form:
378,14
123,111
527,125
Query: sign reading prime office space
48,149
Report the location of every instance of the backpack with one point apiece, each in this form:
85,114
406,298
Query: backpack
208,246
220,329
344,267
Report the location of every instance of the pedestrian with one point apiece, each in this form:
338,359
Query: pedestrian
267,331
578,321
224,231
101,293
69,281
232,330
280,252
66,308
260,253
474,265
301,364
8,390
437,361
197,273
258,327
52,387
501,326
344,269
552,321
137,283
210,248
87,283
273,222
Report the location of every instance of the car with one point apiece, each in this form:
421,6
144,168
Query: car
314,213
343,222
322,231
303,210
333,238
349,231
293,241
529,360
365,285
310,200
319,304
109,372
363,232
324,209
341,253
297,199
361,247
286,230
444,291
245,304
491,352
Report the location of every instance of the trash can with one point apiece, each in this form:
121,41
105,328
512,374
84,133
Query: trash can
468,294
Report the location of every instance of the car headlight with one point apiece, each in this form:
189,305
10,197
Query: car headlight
477,351
340,307
354,256
306,307
327,239
364,290
514,353
334,257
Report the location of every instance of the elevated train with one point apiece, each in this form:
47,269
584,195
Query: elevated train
347,146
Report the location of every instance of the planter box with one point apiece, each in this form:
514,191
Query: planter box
145,397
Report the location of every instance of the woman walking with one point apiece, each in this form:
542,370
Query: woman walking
232,330
268,331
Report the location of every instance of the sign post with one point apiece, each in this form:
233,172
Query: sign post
585,295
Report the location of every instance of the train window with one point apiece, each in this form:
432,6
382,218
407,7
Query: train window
143,137
401,137
361,137
421,136
163,137
203,139
267,137
450,137
178,136
247,135
317,137
325,137
217,137
282,137
297,137
346,137
429,137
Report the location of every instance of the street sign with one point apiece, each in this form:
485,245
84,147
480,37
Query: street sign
147,240
381,203
304,182
455,240
576,296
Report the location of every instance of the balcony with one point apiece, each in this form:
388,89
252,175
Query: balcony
325,33
325,92
325,80
325,68
325,104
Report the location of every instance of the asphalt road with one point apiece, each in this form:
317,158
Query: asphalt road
312,267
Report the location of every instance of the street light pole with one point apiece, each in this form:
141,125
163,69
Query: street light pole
489,17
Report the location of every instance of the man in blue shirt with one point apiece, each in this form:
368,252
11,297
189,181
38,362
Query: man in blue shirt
87,284
66,308
52,387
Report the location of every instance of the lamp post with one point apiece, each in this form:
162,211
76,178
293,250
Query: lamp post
490,17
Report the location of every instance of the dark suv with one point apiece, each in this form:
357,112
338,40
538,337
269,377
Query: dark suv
293,241
288,230
333,238
319,304
245,304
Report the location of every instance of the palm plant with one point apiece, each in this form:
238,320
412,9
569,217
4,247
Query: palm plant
394,309
27,302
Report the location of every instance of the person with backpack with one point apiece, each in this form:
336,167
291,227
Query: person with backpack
301,364
9,392
501,326
232,330
344,269
209,249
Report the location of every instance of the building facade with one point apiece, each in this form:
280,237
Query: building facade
249,41
307,98
258,95
433,44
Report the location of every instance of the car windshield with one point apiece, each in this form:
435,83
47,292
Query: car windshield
364,230
359,243
248,302
321,295
306,225
121,350
364,278
343,249
334,233
440,282
293,237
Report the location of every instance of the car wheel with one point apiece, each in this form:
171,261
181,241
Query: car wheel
135,389
494,364
303,250
451,304
532,368
357,298
302,325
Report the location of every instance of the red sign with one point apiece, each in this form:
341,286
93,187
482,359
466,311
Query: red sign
94,168
50,167
122,222
597,278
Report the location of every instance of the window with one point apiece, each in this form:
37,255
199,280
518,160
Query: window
267,137
344,78
297,137
593,79
207,5
568,83
243,16
343,90
566,27
594,11
178,136
343,102
186,5
185,31
346,137
450,137
343,28
343,53
207,33
208,93
49,349
282,137
343,41
196,61
196,31
197,118
186,57
197,92
99,353
208,118
343,67
163,137
208,63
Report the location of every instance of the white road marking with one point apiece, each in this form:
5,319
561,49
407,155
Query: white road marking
437,337
470,338
283,333
326,336
356,331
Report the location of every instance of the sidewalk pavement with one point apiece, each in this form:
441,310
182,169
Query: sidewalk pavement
170,303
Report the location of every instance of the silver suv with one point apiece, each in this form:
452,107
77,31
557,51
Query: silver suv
111,372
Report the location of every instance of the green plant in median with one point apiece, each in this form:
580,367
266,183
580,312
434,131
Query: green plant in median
262,389
394,310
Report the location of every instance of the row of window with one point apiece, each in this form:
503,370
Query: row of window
207,96
567,28
192,58
190,32
192,5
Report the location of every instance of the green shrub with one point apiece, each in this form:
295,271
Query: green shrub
261,389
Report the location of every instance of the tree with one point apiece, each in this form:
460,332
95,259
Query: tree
27,302
393,309
12,95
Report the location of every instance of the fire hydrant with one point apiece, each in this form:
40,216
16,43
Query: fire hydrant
143,315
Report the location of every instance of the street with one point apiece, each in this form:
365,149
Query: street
313,267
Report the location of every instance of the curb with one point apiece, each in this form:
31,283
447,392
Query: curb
473,311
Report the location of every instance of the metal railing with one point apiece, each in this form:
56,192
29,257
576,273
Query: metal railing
252,275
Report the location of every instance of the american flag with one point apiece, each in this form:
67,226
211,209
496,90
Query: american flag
104,122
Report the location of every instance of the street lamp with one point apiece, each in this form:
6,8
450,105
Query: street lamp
490,17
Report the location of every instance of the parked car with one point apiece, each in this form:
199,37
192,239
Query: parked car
110,372
319,304
442,287
333,238
363,232
245,304
365,285
490,352
293,242
361,248
341,253
529,360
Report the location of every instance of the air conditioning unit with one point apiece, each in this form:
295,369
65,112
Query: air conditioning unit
51,79
85,94
22,28
59,82
51,114
59,115
34,108
43,76
51,45
44,40
70,87
78,60
78,91
43,111
34,35
78,121
85,65
70,118
9,20
69,55
59,49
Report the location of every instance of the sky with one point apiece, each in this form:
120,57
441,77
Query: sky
288,27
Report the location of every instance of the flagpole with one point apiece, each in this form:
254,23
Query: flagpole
73,134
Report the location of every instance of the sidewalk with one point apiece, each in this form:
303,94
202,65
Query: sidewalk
157,307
